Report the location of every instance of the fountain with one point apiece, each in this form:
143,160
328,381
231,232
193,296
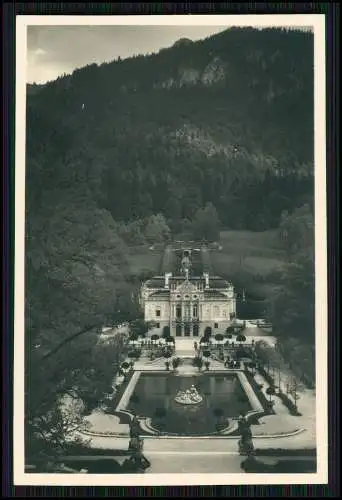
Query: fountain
189,396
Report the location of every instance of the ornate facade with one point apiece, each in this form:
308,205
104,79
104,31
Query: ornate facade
188,304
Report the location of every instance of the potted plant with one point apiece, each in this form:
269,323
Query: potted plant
270,391
252,366
131,355
125,366
207,332
175,363
240,338
219,337
198,362
154,339
203,341
166,332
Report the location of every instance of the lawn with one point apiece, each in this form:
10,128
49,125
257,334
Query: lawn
244,256
256,253
143,260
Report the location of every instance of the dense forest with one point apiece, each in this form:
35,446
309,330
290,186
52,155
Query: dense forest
203,134
227,120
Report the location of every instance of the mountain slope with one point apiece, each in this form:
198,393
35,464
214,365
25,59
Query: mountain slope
226,120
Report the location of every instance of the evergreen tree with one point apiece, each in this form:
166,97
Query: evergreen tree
206,224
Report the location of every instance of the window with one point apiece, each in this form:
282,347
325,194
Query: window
158,325
216,325
158,312
195,330
178,331
178,312
187,330
195,311
187,311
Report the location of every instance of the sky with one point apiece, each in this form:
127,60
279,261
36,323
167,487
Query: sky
56,50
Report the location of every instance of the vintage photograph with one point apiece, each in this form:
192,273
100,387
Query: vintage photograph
173,178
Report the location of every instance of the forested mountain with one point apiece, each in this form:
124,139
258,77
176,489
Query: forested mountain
227,120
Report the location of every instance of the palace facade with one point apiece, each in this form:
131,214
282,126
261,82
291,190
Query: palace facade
189,299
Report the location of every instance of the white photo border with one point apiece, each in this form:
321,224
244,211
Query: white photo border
317,22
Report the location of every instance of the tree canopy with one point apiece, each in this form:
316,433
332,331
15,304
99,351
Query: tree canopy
206,225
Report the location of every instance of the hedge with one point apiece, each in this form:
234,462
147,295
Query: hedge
289,404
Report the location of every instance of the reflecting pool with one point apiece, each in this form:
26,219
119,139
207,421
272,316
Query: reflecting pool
157,396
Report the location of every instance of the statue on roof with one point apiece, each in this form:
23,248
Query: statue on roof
186,264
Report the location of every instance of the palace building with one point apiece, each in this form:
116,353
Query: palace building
187,297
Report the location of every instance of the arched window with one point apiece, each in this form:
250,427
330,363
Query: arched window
178,311
195,311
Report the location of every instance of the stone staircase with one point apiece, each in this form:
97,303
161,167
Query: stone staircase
184,348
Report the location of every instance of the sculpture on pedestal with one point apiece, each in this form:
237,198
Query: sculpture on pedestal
246,446
189,396
135,443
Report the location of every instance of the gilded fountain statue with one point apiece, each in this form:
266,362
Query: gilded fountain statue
190,396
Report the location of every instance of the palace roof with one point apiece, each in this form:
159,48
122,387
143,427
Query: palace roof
215,282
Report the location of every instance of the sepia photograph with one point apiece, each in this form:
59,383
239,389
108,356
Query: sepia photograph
170,287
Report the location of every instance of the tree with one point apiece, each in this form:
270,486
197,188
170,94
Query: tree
270,391
138,327
252,366
296,232
207,332
173,209
157,229
50,431
166,332
198,363
292,308
240,338
206,224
